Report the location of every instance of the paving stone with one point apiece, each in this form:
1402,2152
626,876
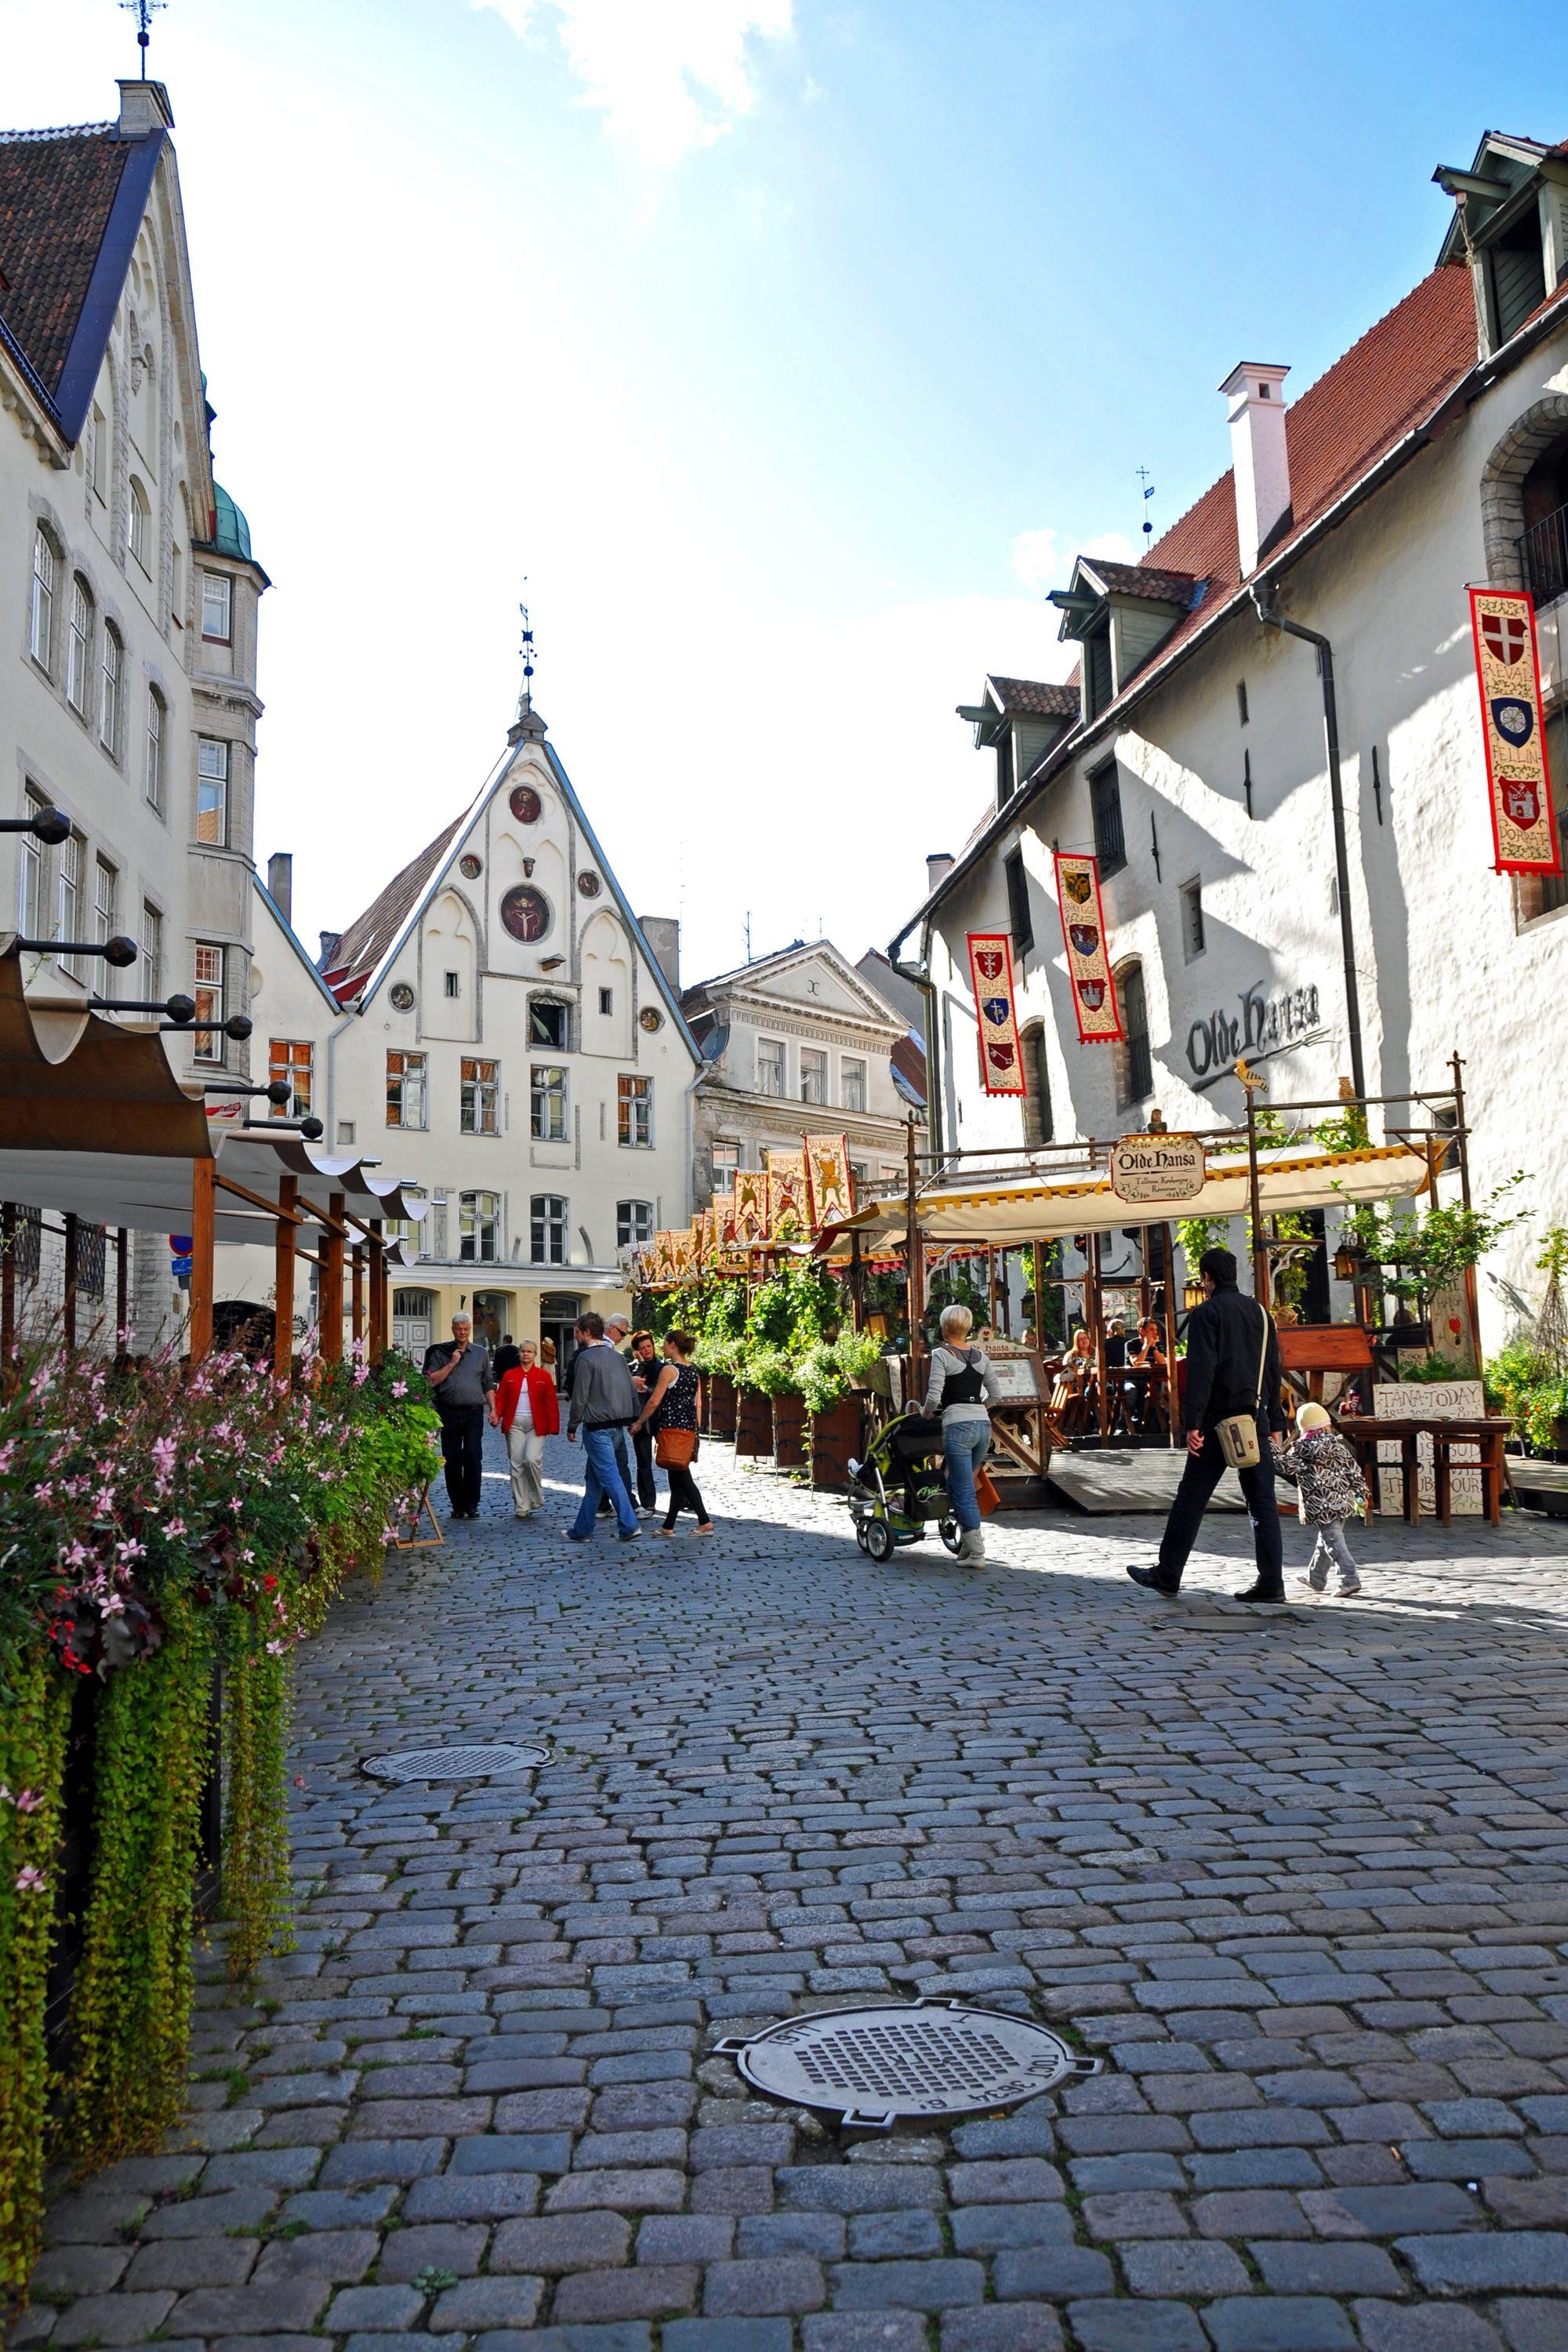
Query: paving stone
728,2336
1134,2213
1250,2213
1051,2274
382,2308
1183,2267
282,2306
1378,2213
622,2335
117,2318
484,2303
344,2256
1433,2328
1002,2327
1349,2267
863,2331
824,2235
484,2197
993,2229
187,2263
657,2190
87,2270
775,2283
907,2286
1489,2261
338,2208
647,2291
1112,2327
1279,2324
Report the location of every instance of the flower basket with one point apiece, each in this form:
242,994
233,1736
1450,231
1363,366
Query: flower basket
789,1431
834,1437
753,1424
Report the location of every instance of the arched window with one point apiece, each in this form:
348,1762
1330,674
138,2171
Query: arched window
157,717
41,612
1544,550
114,689
78,646
1038,1125
137,524
1134,1064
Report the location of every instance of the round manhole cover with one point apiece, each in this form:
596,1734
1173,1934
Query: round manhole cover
927,2058
453,1763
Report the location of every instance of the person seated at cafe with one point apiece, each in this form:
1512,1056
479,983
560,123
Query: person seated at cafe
1140,1397
1116,1343
1078,1364
1074,1382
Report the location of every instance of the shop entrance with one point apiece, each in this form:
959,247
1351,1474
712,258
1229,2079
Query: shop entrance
558,1314
412,1314
492,1317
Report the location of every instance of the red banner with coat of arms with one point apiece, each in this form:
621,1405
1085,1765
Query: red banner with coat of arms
1089,959
991,973
1513,726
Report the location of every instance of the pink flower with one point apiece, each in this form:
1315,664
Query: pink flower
28,1801
30,1881
173,1527
400,1388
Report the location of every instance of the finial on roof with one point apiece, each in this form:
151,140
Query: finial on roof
527,725
143,11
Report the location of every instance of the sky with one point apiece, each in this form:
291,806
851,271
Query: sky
780,353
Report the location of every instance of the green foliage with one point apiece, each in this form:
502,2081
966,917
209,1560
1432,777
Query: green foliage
1430,1250
1346,1132
33,1725
1526,1384
821,1377
1432,1368
770,1370
856,1352
1196,1234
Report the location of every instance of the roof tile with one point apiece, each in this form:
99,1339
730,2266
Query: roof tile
57,191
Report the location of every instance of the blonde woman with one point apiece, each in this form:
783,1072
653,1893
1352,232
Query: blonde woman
962,1386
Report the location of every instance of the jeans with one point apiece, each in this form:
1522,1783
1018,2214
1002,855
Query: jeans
648,1485
525,1452
462,1450
1330,1550
1201,1476
964,1446
683,1496
622,1465
602,1476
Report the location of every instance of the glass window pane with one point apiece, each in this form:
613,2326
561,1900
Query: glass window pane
216,606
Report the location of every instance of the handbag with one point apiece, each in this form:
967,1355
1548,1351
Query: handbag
674,1449
1238,1432
985,1493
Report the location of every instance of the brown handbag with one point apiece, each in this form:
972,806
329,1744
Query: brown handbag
674,1449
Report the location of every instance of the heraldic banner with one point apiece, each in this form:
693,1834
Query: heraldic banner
828,1173
1508,667
1088,964
991,975
751,1213
789,1214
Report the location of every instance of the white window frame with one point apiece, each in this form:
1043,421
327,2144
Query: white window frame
478,1219
113,701
68,893
814,1066
634,1111
33,877
79,645
413,1083
283,1061
157,717
724,1170
549,1229
105,912
138,523
770,1046
41,601
151,949
634,1223
217,589
854,1071
209,986
478,1096
213,774
548,1116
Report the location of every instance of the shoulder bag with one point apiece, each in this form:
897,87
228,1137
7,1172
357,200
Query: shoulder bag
673,1449
1238,1432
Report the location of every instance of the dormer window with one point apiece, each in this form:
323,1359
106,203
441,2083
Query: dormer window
1510,230
1020,719
1121,615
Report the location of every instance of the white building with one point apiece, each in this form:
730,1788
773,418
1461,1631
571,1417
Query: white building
128,594
1190,753
800,1042
502,1030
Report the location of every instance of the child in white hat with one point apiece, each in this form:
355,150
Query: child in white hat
1332,1490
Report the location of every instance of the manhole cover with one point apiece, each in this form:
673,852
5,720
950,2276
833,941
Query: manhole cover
925,2058
452,1763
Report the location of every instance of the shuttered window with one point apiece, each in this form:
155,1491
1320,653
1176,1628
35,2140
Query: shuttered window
1018,919
1105,800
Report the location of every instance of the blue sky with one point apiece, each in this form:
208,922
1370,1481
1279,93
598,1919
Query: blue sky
791,349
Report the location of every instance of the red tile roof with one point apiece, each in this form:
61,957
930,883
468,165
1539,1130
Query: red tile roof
1145,579
367,939
56,190
1028,698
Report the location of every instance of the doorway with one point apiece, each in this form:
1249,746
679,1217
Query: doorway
492,1316
412,1314
558,1315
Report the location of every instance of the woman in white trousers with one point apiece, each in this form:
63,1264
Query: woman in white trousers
527,1411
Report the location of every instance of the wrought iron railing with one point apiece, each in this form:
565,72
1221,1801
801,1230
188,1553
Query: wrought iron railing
1544,558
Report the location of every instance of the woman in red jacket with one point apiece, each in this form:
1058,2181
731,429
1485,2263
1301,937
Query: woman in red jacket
527,1410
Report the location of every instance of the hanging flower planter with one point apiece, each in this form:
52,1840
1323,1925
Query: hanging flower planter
789,1431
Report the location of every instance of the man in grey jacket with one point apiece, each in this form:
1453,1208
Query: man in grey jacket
604,1405
463,1389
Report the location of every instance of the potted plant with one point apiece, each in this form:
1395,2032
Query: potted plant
833,1404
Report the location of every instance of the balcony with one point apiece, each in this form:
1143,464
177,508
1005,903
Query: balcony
1543,558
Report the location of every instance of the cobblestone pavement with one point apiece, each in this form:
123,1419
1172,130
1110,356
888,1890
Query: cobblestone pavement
1301,1879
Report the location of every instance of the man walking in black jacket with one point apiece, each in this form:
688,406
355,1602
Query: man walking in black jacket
1226,1345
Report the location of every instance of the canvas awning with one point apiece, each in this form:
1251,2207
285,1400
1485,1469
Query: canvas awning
1007,1215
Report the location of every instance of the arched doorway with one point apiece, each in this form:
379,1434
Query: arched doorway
241,1323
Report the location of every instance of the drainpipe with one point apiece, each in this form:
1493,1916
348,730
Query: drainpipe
1271,617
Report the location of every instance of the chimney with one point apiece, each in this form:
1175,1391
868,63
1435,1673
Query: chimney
1258,456
330,942
662,933
144,106
939,865
280,882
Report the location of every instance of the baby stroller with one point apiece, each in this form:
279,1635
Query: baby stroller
900,1485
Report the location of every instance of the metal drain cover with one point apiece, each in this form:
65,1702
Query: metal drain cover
919,2058
453,1763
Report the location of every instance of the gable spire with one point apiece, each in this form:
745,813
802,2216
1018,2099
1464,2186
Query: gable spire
528,726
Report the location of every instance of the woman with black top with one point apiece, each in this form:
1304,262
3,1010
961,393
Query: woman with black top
671,1414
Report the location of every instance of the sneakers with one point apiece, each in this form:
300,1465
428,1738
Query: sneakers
1347,1588
1317,1576
971,1548
630,1535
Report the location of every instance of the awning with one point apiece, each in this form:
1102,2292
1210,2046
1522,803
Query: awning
1007,1215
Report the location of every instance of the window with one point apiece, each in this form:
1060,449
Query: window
406,1090
1005,767
291,1059
771,1068
1134,1067
208,989
68,894
1241,711
105,913
547,1024
138,523
78,647
547,1103
217,608
212,791
726,1160
345,1134
1019,921
1105,799
33,878
1543,894
547,1230
607,1000
1193,940
41,613
1037,1122
156,715
451,983
113,689
852,1084
634,1111
813,1076
634,1222
479,1227
151,951
480,1110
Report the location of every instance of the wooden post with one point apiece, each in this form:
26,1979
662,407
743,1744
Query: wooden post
1169,1249
7,1290
1099,1327
377,1293
121,1292
914,1257
856,1287
1039,1266
1255,1198
357,1309
203,1235
71,1280
283,1282
331,1335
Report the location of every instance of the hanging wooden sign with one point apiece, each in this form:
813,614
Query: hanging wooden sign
828,1180
1158,1168
1513,728
990,974
1089,959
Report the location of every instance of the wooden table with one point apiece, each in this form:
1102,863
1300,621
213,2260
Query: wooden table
1364,1433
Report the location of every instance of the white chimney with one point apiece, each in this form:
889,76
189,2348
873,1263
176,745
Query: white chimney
144,107
1258,456
939,865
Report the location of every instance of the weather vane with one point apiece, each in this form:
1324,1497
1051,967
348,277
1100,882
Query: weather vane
527,652
1148,494
143,11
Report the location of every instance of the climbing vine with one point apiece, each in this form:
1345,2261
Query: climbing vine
33,1719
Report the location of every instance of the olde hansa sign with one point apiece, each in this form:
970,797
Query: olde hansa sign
1158,1168
991,973
1513,728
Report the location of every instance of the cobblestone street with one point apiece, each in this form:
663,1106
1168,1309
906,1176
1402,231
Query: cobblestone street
1300,1877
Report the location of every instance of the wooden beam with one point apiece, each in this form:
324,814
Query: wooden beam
357,1258
377,1293
283,1281
204,1234
330,1333
258,1201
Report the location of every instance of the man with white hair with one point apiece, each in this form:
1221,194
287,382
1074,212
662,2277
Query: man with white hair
463,1386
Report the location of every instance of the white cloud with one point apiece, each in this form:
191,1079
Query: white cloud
1042,559
667,75
1112,543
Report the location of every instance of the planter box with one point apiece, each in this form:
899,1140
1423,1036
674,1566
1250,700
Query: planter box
789,1431
754,1422
720,1391
835,1436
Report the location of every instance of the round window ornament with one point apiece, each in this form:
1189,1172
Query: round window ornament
589,885
525,911
471,866
650,1018
525,804
402,997
875,2065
